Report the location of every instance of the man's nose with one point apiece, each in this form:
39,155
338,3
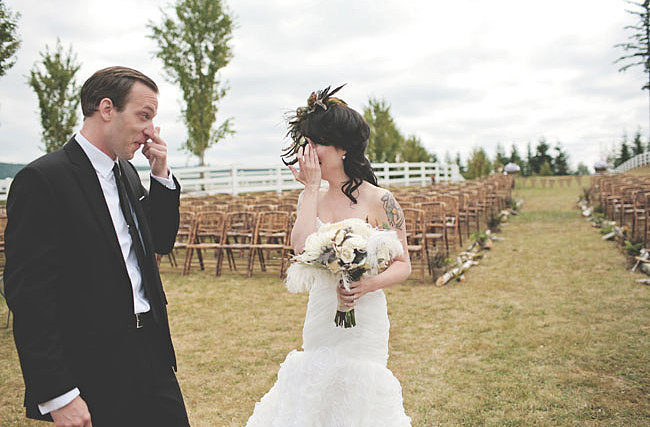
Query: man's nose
149,130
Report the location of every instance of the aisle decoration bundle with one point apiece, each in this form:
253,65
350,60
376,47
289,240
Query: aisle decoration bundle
342,252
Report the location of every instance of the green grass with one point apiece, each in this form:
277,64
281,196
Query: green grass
550,329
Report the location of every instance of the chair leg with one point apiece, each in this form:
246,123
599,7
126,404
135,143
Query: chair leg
188,261
251,262
200,255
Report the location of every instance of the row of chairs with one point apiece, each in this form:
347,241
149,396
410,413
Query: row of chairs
234,235
625,199
437,220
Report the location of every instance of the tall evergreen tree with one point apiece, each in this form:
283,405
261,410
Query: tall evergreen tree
624,153
541,156
58,94
560,163
637,144
194,45
638,46
529,159
385,139
9,40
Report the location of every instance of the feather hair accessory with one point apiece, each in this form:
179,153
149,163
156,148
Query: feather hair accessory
316,101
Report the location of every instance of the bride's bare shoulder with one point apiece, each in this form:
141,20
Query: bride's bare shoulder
385,208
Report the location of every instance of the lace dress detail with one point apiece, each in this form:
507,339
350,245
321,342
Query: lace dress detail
341,378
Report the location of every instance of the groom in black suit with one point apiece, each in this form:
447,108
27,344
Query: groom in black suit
81,277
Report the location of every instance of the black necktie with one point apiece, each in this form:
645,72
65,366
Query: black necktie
136,243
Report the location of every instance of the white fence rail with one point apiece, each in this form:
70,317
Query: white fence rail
235,179
637,161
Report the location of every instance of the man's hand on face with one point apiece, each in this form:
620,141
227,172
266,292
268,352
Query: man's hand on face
74,414
156,152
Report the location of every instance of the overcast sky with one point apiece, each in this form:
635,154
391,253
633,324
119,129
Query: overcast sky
458,74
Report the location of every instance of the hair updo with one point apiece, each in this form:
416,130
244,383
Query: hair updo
329,121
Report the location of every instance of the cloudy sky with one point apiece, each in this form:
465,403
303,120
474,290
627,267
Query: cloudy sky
459,74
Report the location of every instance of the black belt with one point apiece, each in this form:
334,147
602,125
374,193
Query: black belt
141,320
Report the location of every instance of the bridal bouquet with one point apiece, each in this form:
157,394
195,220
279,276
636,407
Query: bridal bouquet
346,250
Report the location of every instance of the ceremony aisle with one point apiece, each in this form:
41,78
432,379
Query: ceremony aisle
549,329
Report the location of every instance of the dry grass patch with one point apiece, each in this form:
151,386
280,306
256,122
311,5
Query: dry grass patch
549,330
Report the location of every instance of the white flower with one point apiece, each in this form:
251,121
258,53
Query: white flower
315,244
346,253
355,242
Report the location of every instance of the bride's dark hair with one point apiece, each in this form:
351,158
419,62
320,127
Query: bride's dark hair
329,121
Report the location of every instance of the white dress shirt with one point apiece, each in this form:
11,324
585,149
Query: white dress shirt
103,166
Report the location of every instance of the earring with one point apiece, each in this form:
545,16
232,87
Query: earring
343,157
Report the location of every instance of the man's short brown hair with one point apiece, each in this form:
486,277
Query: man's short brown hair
113,83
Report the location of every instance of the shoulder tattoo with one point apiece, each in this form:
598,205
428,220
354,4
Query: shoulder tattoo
393,211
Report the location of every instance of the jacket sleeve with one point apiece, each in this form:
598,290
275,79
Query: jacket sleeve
163,215
33,278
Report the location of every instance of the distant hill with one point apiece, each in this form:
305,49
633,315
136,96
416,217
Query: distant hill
9,170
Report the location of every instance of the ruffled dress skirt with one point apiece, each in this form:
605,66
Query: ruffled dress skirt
341,378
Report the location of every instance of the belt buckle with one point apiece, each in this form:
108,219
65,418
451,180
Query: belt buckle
138,321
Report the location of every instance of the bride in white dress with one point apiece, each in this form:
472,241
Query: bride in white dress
341,378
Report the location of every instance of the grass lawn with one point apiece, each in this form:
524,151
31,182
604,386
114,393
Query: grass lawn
550,329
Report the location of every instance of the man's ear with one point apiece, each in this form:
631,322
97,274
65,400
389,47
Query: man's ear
106,109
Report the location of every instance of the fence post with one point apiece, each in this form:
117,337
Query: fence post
407,173
386,174
423,175
278,181
233,177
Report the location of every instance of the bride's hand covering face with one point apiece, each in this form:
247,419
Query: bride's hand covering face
309,174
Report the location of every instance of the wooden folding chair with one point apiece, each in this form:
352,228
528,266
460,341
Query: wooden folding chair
452,219
435,230
238,232
271,235
207,234
183,236
414,224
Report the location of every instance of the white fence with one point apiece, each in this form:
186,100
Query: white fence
635,162
235,179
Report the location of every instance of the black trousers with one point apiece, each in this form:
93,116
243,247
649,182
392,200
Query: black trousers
150,393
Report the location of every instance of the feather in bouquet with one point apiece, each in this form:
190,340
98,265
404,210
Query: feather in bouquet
346,250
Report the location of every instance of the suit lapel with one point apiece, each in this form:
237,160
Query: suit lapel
89,183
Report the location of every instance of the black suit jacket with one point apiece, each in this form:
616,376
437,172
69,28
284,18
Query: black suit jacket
66,280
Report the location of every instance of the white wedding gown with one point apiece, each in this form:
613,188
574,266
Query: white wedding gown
341,378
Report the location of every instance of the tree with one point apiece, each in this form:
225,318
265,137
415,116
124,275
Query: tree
638,45
529,160
478,165
412,150
637,147
500,158
541,156
582,169
560,163
194,46
9,41
58,94
624,155
459,162
516,159
385,138
545,169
